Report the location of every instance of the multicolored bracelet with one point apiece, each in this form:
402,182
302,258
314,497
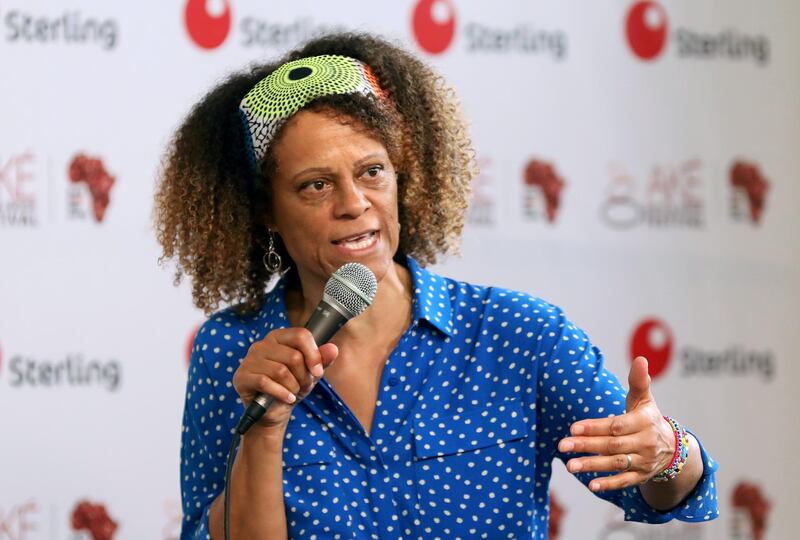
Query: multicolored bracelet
681,452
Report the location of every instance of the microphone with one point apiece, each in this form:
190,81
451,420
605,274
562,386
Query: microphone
349,291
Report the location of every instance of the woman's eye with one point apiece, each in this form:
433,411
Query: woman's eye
372,172
315,186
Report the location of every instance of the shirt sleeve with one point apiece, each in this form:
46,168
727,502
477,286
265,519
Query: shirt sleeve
574,385
210,412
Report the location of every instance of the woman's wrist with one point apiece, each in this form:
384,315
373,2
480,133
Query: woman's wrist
680,454
269,438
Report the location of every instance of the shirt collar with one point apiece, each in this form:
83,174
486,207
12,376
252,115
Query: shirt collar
431,296
431,299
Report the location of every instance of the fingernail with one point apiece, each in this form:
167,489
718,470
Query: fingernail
567,446
317,371
577,429
292,398
594,486
575,466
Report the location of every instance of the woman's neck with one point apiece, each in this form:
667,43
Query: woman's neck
390,309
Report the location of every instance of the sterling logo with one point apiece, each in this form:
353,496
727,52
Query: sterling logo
653,339
208,22
647,33
70,27
189,345
434,24
73,370
646,29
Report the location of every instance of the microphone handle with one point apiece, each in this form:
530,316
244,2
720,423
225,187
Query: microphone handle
323,324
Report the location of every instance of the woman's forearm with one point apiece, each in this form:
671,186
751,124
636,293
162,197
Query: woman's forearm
667,495
257,509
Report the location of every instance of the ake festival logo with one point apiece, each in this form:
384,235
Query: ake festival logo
749,190
542,191
93,520
88,174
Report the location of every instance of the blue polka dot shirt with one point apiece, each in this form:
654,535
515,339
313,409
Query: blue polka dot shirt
471,405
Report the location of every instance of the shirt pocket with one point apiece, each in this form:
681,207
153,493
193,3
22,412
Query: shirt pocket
308,447
447,434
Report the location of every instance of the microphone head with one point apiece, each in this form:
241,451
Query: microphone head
353,286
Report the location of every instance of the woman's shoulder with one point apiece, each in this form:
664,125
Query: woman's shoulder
227,334
503,302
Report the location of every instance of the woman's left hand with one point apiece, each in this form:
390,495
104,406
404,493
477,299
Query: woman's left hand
637,445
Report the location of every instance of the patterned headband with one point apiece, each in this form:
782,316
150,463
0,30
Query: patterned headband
294,85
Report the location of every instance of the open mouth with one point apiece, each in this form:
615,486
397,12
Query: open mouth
360,241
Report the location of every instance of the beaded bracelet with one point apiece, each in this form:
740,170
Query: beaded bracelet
681,452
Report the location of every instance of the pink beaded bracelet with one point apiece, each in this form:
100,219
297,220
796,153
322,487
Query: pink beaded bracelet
681,452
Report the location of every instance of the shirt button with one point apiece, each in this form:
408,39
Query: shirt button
393,381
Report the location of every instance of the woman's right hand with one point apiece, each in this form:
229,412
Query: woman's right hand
286,365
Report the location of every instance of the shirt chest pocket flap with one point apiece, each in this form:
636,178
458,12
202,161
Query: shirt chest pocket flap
313,447
447,434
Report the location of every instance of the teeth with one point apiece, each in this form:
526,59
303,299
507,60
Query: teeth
359,242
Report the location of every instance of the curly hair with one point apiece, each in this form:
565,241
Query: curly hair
211,204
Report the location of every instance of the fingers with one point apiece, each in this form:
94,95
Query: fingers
329,352
615,463
302,340
638,384
618,481
600,445
283,365
624,424
256,383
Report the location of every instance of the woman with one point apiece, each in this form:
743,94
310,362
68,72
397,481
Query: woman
444,403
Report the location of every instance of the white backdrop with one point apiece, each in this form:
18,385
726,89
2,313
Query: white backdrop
647,226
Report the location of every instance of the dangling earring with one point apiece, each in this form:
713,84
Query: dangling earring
272,259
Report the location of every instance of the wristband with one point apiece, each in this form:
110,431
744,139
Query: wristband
681,452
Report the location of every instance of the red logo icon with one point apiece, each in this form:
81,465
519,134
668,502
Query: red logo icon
746,178
557,512
91,170
434,24
543,175
189,344
652,339
94,519
750,499
646,29
208,28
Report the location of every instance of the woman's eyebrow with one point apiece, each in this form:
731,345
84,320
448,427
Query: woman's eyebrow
310,170
370,157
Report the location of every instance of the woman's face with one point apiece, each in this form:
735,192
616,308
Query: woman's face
334,197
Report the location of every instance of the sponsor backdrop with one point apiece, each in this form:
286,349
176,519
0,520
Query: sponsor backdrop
640,168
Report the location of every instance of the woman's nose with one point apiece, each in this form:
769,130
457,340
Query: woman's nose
351,200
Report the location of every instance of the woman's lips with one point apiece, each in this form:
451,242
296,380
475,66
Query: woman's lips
358,243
